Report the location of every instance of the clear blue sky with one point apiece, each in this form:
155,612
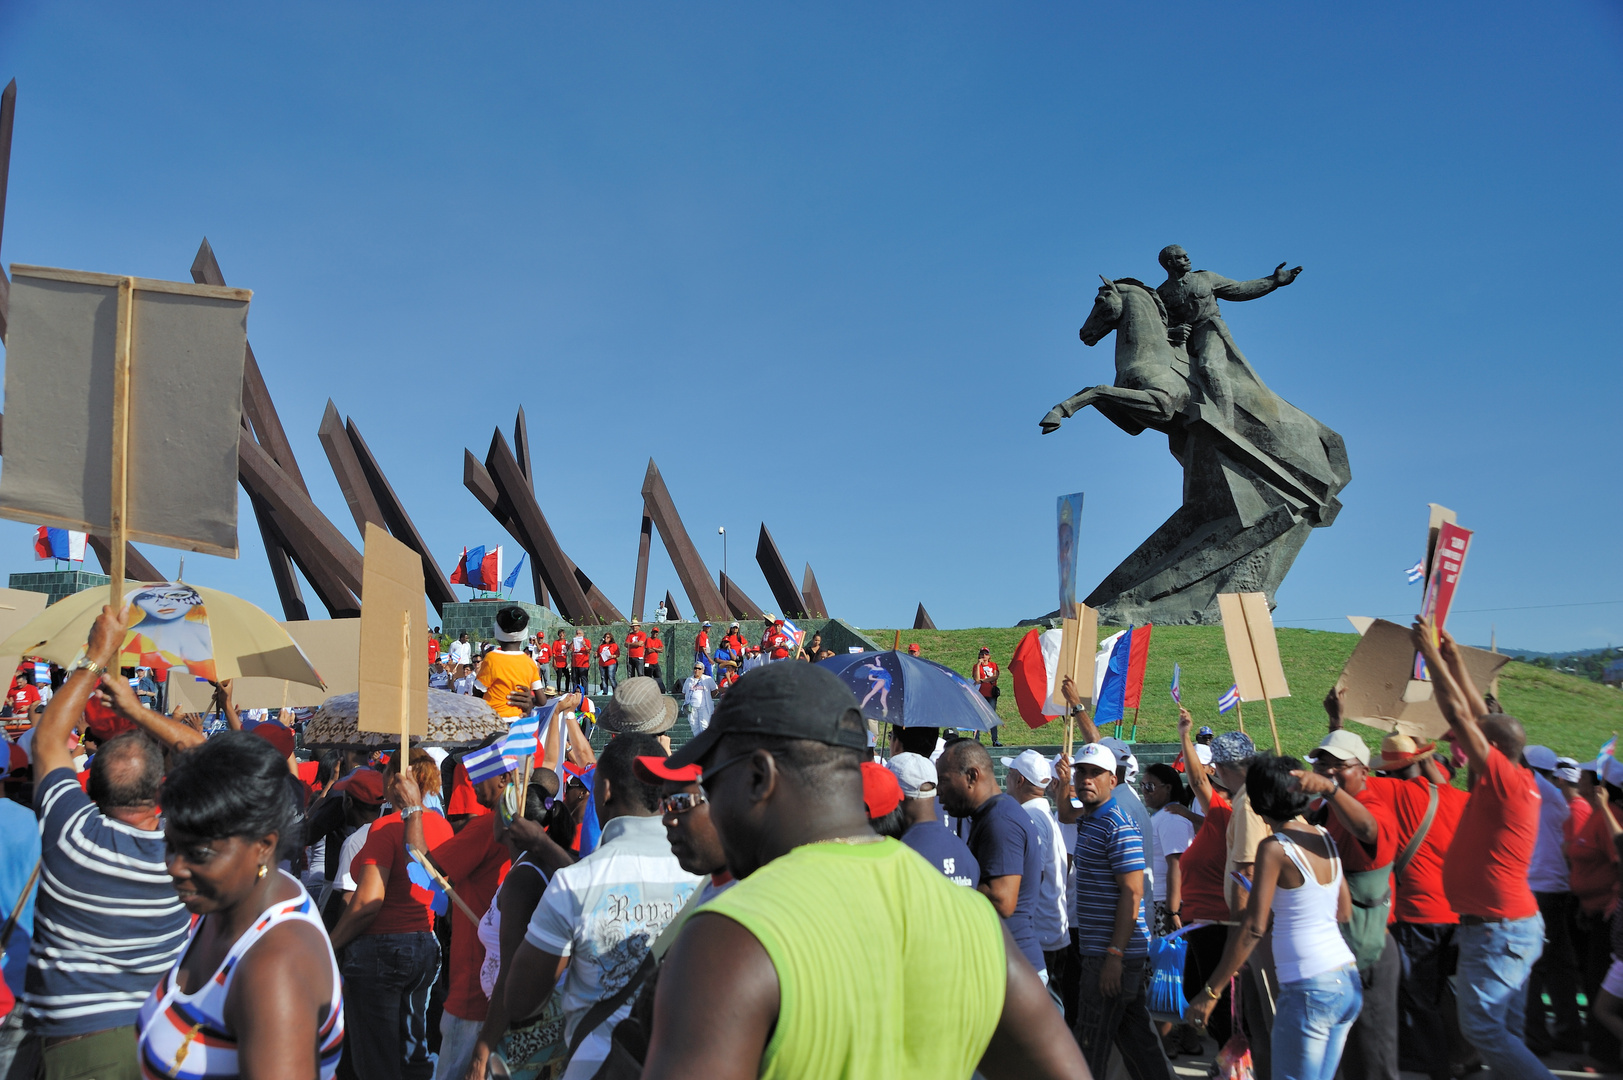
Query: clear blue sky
826,263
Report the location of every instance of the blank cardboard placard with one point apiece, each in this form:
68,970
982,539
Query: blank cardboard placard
1376,677
333,647
187,348
391,667
1079,637
1248,631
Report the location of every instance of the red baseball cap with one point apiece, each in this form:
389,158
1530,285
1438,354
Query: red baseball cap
275,734
652,770
881,792
363,785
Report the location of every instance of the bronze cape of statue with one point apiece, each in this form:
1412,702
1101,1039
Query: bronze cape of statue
1258,472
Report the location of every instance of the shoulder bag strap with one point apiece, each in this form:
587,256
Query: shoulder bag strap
1419,836
604,1009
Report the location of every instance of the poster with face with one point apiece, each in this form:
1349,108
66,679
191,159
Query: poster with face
1069,512
168,628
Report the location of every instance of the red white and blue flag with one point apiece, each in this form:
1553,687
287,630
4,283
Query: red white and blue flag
479,569
59,544
1177,692
1230,698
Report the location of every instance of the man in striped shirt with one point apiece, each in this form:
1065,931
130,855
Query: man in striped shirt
108,924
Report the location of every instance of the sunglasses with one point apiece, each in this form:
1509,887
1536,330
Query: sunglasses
710,774
683,801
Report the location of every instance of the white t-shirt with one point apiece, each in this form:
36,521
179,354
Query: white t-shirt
604,912
343,880
1049,920
464,685
1169,835
461,652
1068,836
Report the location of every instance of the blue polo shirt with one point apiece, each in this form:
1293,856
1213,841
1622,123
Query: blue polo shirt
1107,843
1003,840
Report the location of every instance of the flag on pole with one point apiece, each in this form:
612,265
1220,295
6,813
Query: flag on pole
1608,751
1138,656
522,736
486,763
796,634
59,544
459,576
1111,703
1177,693
1229,699
1417,572
512,579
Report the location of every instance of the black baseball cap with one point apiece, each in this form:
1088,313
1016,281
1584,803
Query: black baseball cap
794,701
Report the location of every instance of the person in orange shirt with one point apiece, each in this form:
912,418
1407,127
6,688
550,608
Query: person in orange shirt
635,642
508,668
608,664
652,649
735,641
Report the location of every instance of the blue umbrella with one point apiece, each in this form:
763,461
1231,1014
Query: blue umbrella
903,690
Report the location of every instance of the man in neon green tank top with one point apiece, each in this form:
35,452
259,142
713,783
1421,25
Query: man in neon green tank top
839,953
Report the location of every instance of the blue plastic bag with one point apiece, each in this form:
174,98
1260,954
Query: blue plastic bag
1167,955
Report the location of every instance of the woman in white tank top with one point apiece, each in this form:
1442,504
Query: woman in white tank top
1298,882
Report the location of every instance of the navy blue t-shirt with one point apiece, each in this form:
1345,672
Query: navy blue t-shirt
1002,840
944,851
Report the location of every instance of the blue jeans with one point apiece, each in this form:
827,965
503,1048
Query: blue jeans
1311,1022
387,979
1496,960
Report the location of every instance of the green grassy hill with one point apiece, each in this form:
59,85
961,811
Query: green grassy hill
1572,715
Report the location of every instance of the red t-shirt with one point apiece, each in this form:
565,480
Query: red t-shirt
560,653
22,698
634,644
476,864
1485,871
1581,811
433,649
1417,896
1593,859
1202,865
1355,855
385,847
654,645
462,799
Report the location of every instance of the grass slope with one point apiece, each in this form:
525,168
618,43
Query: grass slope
1574,716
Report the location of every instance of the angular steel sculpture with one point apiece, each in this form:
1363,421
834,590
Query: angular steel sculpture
8,117
294,529
922,621
671,611
741,606
1259,474
690,569
363,505
815,608
790,602
521,450
639,589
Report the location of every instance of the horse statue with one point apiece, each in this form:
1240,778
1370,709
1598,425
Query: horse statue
1259,474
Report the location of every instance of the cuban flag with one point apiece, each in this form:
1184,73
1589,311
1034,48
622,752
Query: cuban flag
59,544
1416,573
486,763
523,736
1177,692
1229,699
796,634
1608,751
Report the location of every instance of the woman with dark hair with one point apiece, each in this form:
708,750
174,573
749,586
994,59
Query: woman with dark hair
229,1008
1298,881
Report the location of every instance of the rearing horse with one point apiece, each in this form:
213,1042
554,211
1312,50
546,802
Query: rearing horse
1152,377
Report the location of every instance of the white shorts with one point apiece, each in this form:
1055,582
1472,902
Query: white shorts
1613,983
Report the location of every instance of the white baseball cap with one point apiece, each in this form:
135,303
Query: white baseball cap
1203,753
1097,755
1031,765
913,772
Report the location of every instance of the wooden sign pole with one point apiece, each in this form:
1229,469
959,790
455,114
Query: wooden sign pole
1239,708
123,344
1251,635
405,693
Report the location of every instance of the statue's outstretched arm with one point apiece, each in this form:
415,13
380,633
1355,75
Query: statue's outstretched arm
1225,289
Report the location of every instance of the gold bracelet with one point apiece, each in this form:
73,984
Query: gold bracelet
1213,994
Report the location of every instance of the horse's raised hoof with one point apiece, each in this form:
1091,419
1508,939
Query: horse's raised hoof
1051,422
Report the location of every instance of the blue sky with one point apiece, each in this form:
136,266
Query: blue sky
826,263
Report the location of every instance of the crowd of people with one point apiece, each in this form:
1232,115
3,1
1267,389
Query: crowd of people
779,897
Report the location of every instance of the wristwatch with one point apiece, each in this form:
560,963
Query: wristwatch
89,665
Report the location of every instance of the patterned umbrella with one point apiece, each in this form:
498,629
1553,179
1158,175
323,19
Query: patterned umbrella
903,690
454,721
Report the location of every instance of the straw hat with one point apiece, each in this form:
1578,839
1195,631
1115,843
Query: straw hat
1400,751
638,705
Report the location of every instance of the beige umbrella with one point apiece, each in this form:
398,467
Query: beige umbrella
454,720
212,633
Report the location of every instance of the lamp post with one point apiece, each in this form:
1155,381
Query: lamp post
722,529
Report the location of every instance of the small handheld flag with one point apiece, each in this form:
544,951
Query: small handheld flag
1229,699
1177,692
486,763
1417,572
1608,750
796,634
522,736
